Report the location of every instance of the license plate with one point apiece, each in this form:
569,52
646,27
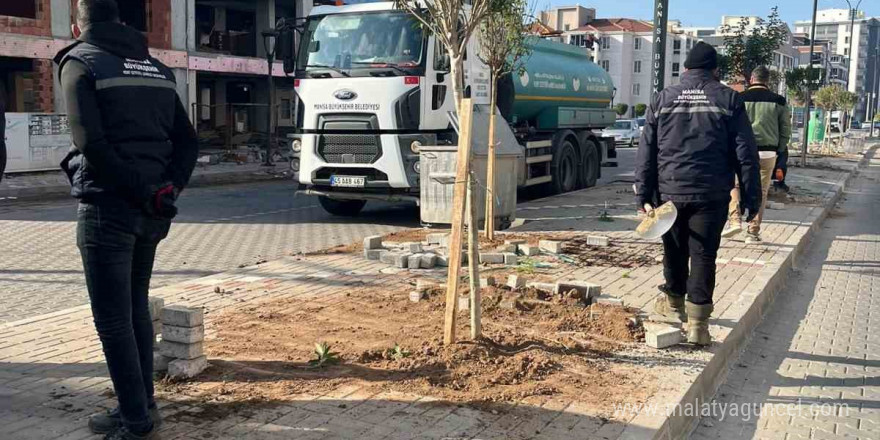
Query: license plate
348,181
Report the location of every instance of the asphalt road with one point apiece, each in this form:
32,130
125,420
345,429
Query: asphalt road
219,228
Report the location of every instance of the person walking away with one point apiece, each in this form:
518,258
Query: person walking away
697,137
134,151
771,123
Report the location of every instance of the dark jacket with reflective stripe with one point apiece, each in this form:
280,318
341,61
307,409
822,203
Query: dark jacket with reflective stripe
130,130
697,136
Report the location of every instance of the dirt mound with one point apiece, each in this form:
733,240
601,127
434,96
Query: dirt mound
385,342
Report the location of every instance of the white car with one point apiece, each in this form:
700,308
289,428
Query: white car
625,132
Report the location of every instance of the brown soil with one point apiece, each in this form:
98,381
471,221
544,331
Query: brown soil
618,254
542,346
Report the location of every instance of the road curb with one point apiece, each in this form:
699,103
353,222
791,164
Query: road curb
197,180
754,302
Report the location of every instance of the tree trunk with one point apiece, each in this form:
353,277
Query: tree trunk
490,167
456,69
474,259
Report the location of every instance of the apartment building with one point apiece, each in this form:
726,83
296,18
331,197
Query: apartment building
621,46
834,67
860,53
214,47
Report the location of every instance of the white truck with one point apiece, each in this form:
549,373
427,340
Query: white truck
373,87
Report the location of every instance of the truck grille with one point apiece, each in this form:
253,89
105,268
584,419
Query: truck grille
349,148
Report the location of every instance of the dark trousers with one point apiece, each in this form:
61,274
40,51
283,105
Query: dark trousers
118,246
695,237
781,164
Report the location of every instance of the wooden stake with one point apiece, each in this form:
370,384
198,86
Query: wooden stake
474,260
490,168
458,211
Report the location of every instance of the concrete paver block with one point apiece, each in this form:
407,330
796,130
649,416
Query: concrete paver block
388,257
160,362
423,285
373,242
413,248
552,246
428,261
178,350
183,316
583,289
374,254
187,368
464,303
529,250
401,260
414,261
505,248
157,327
608,301
598,240
544,287
185,335
416,296
516,281
492,258
510,259
156,304
662,337
442,260
436,238
487,281
515,242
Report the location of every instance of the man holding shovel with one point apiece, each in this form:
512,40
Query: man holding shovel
697,137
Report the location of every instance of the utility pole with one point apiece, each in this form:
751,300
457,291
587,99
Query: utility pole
808,101
661,20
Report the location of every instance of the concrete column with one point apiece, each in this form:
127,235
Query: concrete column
192,98
191,29
265,18
60,14
181,21
219,102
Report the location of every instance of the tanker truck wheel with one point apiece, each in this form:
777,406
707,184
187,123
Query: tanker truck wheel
565,168
342,208
590,168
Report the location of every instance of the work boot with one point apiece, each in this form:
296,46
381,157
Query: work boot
123,433
671,307
111,421
698,323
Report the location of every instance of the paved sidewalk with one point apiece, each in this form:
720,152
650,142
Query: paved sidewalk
55,184
52,373
813,367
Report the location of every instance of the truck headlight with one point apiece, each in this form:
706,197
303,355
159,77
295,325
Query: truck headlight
296,145
294,165
415,146
417,167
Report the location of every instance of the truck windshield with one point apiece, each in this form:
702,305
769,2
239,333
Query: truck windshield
390,40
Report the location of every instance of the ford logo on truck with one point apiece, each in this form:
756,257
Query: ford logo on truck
345,95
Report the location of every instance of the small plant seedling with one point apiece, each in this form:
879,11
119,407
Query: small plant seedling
625,274
605,217
526,266
397,352
323,355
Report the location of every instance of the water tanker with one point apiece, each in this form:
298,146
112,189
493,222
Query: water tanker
374,89
558,87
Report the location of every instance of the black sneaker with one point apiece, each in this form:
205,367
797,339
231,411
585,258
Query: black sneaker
781,186
122,433
111,421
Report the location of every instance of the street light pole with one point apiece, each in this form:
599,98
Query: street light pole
268,35
808,100
852,25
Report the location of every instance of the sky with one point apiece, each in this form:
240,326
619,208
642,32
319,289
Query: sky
709,12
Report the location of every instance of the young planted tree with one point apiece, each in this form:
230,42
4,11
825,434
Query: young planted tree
640,110
751,46
797,84
503,48
621,109
847,101
828,99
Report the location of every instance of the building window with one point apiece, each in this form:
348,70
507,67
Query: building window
605,43
637,67
579,40
567,27
637,89
605,64
133,13
676,47
676,69
19,8
846,52
637,43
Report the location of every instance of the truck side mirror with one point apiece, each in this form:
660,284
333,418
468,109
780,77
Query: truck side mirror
285,49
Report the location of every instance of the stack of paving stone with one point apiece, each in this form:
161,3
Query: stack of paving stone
434,252
156,304
183,334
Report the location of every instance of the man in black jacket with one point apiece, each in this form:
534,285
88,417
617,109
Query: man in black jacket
697,136
134,151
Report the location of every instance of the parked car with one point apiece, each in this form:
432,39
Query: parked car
625,132
641,122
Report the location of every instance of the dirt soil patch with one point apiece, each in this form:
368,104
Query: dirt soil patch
622,254
533,345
